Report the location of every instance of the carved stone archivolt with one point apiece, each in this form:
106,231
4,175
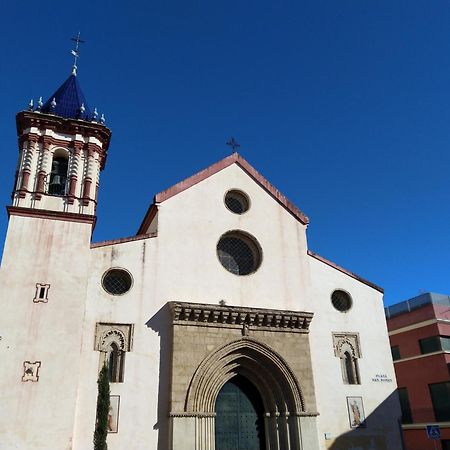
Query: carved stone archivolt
240,317
267,370
108,333
346,343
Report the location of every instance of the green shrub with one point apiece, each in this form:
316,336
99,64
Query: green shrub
101,426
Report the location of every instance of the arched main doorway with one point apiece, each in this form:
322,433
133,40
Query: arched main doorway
287,423
239,416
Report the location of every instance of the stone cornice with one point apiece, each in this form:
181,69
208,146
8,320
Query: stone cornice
123,240
271,414
237,316
192,414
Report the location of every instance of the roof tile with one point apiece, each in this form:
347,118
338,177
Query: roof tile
69,99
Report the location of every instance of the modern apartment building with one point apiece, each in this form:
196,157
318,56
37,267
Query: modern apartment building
419,331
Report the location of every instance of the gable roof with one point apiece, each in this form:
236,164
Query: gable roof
234,158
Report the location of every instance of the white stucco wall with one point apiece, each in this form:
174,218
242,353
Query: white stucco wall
139,392
366,317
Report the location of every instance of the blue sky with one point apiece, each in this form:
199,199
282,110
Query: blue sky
344,106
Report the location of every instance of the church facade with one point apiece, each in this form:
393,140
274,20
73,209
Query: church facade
221,330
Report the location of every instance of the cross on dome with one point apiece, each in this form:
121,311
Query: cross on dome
75,53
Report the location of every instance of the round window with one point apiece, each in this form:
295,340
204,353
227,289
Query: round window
239,253
117,281
237,202
341,300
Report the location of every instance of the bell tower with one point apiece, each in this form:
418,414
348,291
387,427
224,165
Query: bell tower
45,267
62,149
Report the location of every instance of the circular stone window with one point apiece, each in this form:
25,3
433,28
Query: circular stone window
239,253
117,281
341,300
237,202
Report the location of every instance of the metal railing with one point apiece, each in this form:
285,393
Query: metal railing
415,303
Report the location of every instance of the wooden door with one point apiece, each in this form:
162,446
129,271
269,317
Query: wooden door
239,419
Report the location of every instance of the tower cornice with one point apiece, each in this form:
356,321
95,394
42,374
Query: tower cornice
53,215
26,120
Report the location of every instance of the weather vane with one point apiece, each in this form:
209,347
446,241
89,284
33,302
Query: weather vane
75,52
233,144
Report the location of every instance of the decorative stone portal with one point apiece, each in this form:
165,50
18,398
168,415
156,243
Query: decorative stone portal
213,345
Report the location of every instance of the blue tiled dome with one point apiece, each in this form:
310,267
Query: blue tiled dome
69,99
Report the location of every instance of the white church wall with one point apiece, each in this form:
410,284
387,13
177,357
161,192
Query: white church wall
140,392
366,317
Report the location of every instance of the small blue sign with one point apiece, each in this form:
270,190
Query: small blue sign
433,432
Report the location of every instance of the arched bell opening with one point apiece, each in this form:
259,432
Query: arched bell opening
57,184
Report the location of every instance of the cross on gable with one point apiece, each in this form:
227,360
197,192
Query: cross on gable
233,144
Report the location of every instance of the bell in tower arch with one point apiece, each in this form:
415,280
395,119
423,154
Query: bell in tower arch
58,176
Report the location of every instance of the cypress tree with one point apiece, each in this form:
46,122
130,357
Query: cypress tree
101,426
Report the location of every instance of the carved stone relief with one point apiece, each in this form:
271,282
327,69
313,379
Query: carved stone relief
113,340
346,342
31,371
119,333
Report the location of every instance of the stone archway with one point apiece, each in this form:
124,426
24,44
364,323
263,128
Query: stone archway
268,372
198,346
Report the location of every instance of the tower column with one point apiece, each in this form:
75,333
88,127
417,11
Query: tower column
44,167
73,170
27,161
91,173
